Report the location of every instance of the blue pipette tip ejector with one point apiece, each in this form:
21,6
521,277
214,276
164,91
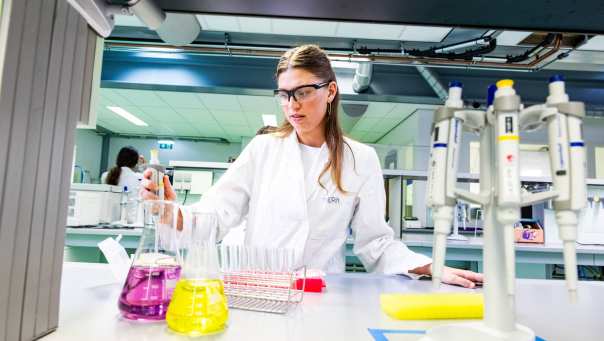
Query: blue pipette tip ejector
455,84
556,78
491,94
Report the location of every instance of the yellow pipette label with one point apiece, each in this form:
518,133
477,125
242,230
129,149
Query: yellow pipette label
508,138
505,83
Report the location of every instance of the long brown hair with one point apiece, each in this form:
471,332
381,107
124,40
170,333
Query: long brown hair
314,60
127,157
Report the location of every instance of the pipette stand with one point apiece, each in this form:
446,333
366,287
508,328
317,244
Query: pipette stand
499,323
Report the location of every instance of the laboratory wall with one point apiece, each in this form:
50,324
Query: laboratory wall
183,150
89,146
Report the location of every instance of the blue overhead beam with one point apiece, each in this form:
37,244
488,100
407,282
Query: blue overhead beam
238,75
163,71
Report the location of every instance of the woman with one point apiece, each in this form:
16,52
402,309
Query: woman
304,185
123,173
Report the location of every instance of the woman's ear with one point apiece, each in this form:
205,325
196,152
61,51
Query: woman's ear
333,90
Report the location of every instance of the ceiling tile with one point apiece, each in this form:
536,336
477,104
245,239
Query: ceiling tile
511,38
365,124
378,109
236,130
105,101
255,25
424,33
369,31
164,131
220,102
402,110
114,97
180,99
372,136
184,129
234,139
140,97
304,27
254,120
357,135
194,115
210,131
160,113
229,117
265,104
386,124
595,43
218,23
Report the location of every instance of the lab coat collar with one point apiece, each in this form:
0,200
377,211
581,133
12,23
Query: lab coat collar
311,184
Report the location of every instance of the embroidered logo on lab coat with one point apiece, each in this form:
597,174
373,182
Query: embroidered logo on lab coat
333,200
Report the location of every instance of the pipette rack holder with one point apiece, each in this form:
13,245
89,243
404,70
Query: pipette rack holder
260,283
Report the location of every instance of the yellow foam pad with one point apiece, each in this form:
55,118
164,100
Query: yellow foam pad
433,306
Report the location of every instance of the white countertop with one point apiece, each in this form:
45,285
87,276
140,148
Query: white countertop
345,312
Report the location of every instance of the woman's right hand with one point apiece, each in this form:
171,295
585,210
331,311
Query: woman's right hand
149,189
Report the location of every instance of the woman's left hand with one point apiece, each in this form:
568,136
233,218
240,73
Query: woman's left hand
464,278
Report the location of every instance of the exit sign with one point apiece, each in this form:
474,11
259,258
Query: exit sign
165,144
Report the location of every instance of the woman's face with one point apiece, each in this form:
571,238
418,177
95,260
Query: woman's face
307,113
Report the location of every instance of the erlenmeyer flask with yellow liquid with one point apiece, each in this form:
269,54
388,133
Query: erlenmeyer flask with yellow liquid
199,306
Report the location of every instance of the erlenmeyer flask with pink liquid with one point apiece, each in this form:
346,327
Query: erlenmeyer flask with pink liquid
155,268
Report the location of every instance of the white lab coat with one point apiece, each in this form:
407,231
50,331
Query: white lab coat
288,209
129,178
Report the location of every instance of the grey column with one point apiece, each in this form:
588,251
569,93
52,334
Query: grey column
45,71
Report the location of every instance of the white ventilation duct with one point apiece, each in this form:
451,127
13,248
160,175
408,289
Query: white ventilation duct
362,77
148,12
179,29
174,28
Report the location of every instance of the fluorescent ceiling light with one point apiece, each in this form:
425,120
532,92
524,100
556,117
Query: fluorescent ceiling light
160,55
128,116
269,120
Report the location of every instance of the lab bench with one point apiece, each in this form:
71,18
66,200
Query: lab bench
345,311
533,261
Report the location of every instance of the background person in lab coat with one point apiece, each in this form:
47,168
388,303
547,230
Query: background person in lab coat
304,185
123,173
